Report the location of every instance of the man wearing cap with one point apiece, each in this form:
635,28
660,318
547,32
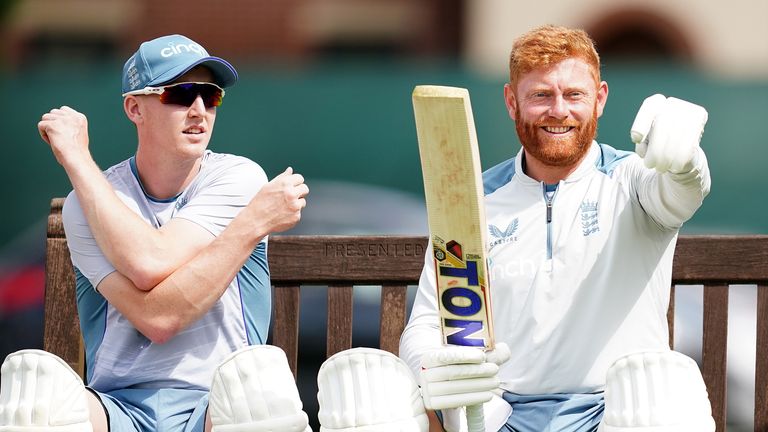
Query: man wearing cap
169,251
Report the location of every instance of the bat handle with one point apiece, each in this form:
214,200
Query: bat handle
475,418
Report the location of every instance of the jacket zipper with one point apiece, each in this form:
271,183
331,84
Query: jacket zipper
549,200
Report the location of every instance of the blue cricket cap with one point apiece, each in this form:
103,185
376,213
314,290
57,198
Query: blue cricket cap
162,60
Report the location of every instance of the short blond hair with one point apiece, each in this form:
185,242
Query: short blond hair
547,45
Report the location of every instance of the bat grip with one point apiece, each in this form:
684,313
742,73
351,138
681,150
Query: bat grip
475,418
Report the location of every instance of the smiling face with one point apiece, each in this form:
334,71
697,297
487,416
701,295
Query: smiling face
181,131
555,110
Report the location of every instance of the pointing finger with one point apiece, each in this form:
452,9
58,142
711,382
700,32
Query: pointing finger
641,127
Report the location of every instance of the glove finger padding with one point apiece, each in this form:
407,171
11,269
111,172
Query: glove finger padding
499,355
474,385
675,135
455,376
651,106
452,354
667,132
460,372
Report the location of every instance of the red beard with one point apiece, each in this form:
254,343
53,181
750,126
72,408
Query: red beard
553,150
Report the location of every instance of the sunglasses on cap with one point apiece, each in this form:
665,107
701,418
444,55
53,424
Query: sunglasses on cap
184,93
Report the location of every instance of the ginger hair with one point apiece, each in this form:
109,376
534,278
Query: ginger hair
545,46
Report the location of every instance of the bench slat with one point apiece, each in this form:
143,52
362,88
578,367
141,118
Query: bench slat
721,259
364,260
761,366
61,336
714,349
339,319
60,284
285,322
393,301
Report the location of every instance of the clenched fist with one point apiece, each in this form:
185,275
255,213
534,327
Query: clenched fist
66,131
667,131
280,201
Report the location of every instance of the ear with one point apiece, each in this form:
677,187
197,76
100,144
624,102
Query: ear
602,97
510,101
133,109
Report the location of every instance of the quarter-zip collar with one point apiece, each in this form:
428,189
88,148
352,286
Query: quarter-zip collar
586,166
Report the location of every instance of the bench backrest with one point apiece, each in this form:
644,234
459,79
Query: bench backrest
395,262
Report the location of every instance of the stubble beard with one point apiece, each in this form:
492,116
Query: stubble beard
553,150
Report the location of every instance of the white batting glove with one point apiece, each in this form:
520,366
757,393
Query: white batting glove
457,376
667,132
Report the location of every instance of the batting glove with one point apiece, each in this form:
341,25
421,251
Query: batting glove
457,376
667,132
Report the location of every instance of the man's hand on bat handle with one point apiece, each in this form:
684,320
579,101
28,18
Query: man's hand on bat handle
455,376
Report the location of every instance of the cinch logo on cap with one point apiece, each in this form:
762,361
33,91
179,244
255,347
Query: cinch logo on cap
173,49
162,60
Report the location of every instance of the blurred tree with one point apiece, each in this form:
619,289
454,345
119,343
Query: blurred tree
5,7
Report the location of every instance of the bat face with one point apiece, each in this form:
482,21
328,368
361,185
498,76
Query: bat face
454,196
462,296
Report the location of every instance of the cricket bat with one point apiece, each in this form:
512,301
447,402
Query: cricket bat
453,188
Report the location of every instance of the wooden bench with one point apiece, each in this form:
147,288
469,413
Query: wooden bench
394,263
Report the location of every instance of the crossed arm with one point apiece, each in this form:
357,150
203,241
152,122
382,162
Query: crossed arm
166,277
193,288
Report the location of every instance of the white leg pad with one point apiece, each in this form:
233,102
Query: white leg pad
40,392
253,390
656,392
371,390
